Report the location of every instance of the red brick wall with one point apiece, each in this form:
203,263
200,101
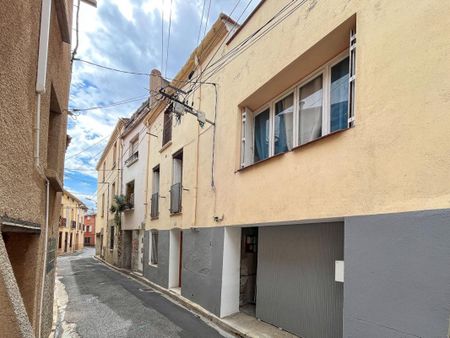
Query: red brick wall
89,236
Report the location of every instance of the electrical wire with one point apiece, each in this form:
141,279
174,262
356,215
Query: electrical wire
87,148
168,37
162,34
114,104
207,19
229,56
201,22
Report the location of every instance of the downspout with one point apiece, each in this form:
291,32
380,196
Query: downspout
40,89
44,269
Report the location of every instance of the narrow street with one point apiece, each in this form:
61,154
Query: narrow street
95,301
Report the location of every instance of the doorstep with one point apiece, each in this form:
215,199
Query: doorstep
239,324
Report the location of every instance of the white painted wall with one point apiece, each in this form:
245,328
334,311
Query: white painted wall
174,257
229,303
132,219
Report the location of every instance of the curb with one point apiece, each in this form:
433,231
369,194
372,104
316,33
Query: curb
196,309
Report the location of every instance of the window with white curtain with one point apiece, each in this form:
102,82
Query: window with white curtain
320,104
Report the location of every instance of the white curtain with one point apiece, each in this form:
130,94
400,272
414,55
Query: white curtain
310,111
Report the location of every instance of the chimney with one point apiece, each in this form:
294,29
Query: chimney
156,83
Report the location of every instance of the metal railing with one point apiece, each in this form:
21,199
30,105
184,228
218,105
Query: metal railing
175,198
62,222
133,158
154,211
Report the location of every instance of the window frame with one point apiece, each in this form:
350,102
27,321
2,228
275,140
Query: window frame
325,71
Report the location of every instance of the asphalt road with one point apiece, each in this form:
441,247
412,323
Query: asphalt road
96,301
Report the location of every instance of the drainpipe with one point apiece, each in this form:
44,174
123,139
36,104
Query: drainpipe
41,71
40,89
44,269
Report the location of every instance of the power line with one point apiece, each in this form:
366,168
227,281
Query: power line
114,104
111,68
162,34
168,37
207,19
226,58
87,148
134,73
201,22
215,38
77,20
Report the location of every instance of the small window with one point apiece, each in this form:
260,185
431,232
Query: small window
130,195
111,238
310,111
167,126
153,247
154,211
177,183
134,145
103,204
114,155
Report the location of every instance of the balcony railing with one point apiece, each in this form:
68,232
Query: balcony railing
62,222
175,198
154,211
74,225
133,158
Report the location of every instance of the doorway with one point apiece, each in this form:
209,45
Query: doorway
248,270
65,241
175,258
140,250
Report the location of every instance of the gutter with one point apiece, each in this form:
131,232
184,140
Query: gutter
41,78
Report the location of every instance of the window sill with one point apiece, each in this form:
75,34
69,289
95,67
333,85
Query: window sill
164,147
153,265
319,139
175,213
261,161
154,218
293,149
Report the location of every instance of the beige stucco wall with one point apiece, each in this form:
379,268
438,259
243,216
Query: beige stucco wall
72,210
22,188
112,175
394,159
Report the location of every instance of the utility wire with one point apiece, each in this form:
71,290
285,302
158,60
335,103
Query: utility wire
224,39
162,34
201,22
246,43
168,37
114,104
207,19
87,148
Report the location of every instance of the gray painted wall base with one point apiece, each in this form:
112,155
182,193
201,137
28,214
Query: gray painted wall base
158,274
397,275
201,278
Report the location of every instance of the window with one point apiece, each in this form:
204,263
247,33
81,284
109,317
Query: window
154,211
103,204
167,127
104,170
133,153
130,195
321,104
153,247
111,238
177,186
114,155
113,192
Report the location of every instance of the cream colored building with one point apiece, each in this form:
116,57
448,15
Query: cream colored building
109,185
329,149
71,224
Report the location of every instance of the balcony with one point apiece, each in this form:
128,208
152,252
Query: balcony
132,159
62,222
154,211
74,224
175,198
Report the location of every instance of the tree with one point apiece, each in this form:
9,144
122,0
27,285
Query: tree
119,205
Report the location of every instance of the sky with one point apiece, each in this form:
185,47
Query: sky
127,35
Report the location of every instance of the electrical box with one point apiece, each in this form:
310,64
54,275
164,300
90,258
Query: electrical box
339,271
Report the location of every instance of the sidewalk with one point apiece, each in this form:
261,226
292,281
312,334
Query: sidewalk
239,324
